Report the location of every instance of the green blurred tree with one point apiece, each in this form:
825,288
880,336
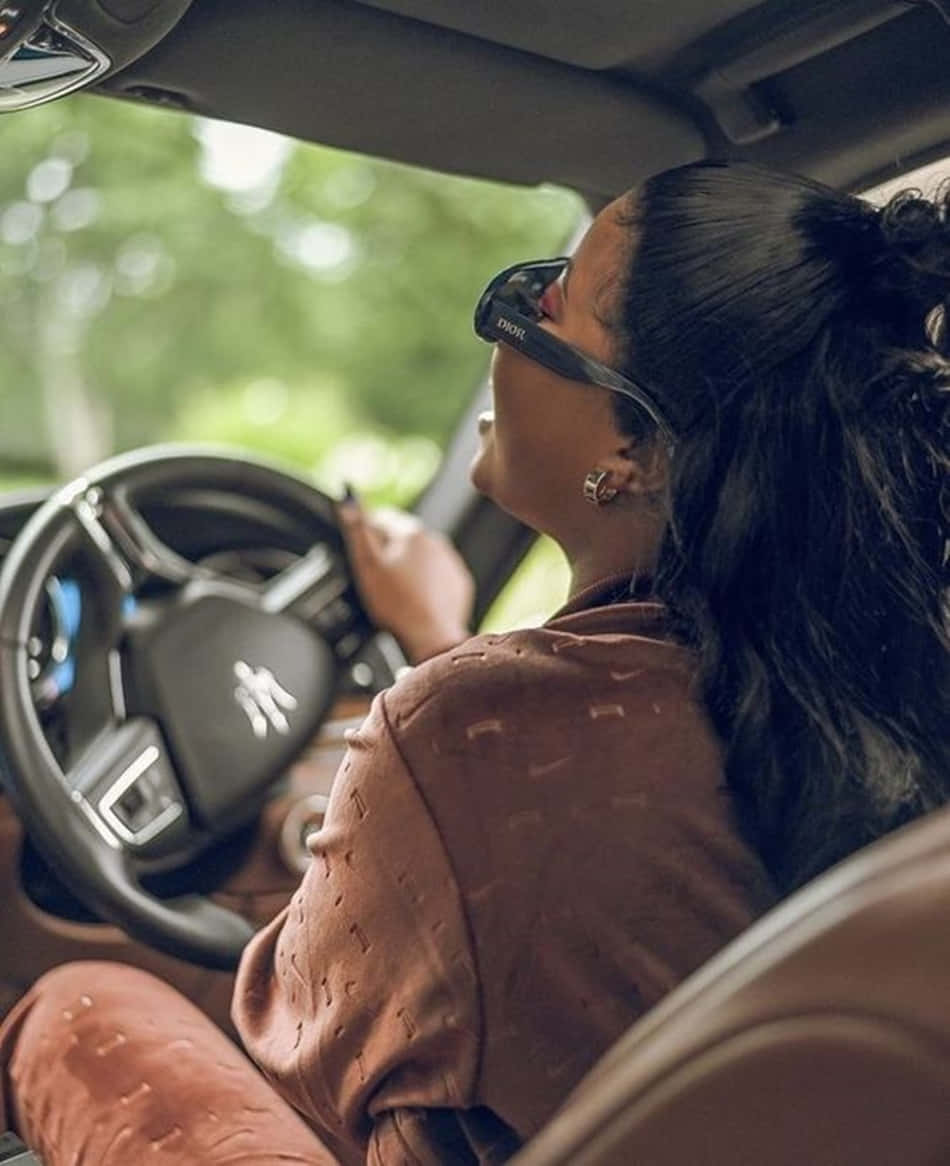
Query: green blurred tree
154,285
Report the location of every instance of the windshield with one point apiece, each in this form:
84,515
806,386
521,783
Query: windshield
165,278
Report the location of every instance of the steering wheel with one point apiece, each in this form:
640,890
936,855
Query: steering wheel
207,686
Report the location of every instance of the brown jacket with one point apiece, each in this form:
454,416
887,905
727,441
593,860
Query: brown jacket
528,844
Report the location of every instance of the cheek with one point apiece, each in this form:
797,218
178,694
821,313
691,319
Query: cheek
521,423
521,387
534,451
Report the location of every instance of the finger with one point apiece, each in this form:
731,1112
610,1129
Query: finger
364,544
395,523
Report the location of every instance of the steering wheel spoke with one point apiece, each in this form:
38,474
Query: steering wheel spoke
126,785
130,549
317,590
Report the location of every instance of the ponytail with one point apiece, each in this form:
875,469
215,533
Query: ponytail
799,340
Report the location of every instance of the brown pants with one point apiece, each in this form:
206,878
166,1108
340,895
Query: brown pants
104,1065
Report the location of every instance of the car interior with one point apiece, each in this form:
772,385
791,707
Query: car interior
137,826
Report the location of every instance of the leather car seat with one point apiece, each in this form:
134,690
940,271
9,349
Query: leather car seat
820,1037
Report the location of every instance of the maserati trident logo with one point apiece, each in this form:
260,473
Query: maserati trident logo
263,699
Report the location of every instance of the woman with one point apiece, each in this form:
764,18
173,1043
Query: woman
730,409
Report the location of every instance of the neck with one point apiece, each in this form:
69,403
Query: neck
595,561
586,571
630,549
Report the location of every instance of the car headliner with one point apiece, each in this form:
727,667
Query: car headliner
595,95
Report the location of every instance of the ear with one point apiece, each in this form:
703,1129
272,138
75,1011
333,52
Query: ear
638,469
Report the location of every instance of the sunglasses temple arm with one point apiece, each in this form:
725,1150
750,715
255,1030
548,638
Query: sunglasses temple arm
567,361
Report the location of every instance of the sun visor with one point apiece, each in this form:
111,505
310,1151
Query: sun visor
596,34
363,79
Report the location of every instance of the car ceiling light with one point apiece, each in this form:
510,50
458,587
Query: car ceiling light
51,61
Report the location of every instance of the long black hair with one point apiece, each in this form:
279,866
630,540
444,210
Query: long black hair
798,340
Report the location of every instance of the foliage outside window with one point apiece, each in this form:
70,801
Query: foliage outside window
168,278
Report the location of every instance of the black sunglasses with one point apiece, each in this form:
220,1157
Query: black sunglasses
509,309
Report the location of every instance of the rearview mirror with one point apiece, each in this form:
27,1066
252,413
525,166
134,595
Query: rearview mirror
41,57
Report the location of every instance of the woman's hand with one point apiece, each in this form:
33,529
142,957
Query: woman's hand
412,581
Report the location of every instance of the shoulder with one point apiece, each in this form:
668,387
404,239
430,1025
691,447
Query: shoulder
517,685
482,669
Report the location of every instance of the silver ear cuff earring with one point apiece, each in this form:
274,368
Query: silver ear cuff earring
596,490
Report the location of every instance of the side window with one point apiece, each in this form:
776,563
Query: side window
166,278
927,179
533,593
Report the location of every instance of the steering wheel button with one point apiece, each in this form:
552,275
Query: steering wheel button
348,645
130,807
142,802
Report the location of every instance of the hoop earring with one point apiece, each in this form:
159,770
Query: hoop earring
596,490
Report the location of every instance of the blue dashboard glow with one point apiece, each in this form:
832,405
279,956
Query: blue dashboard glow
71,609
65,600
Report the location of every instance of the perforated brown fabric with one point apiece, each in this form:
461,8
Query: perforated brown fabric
529,844
581,799
361,998
104,1065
